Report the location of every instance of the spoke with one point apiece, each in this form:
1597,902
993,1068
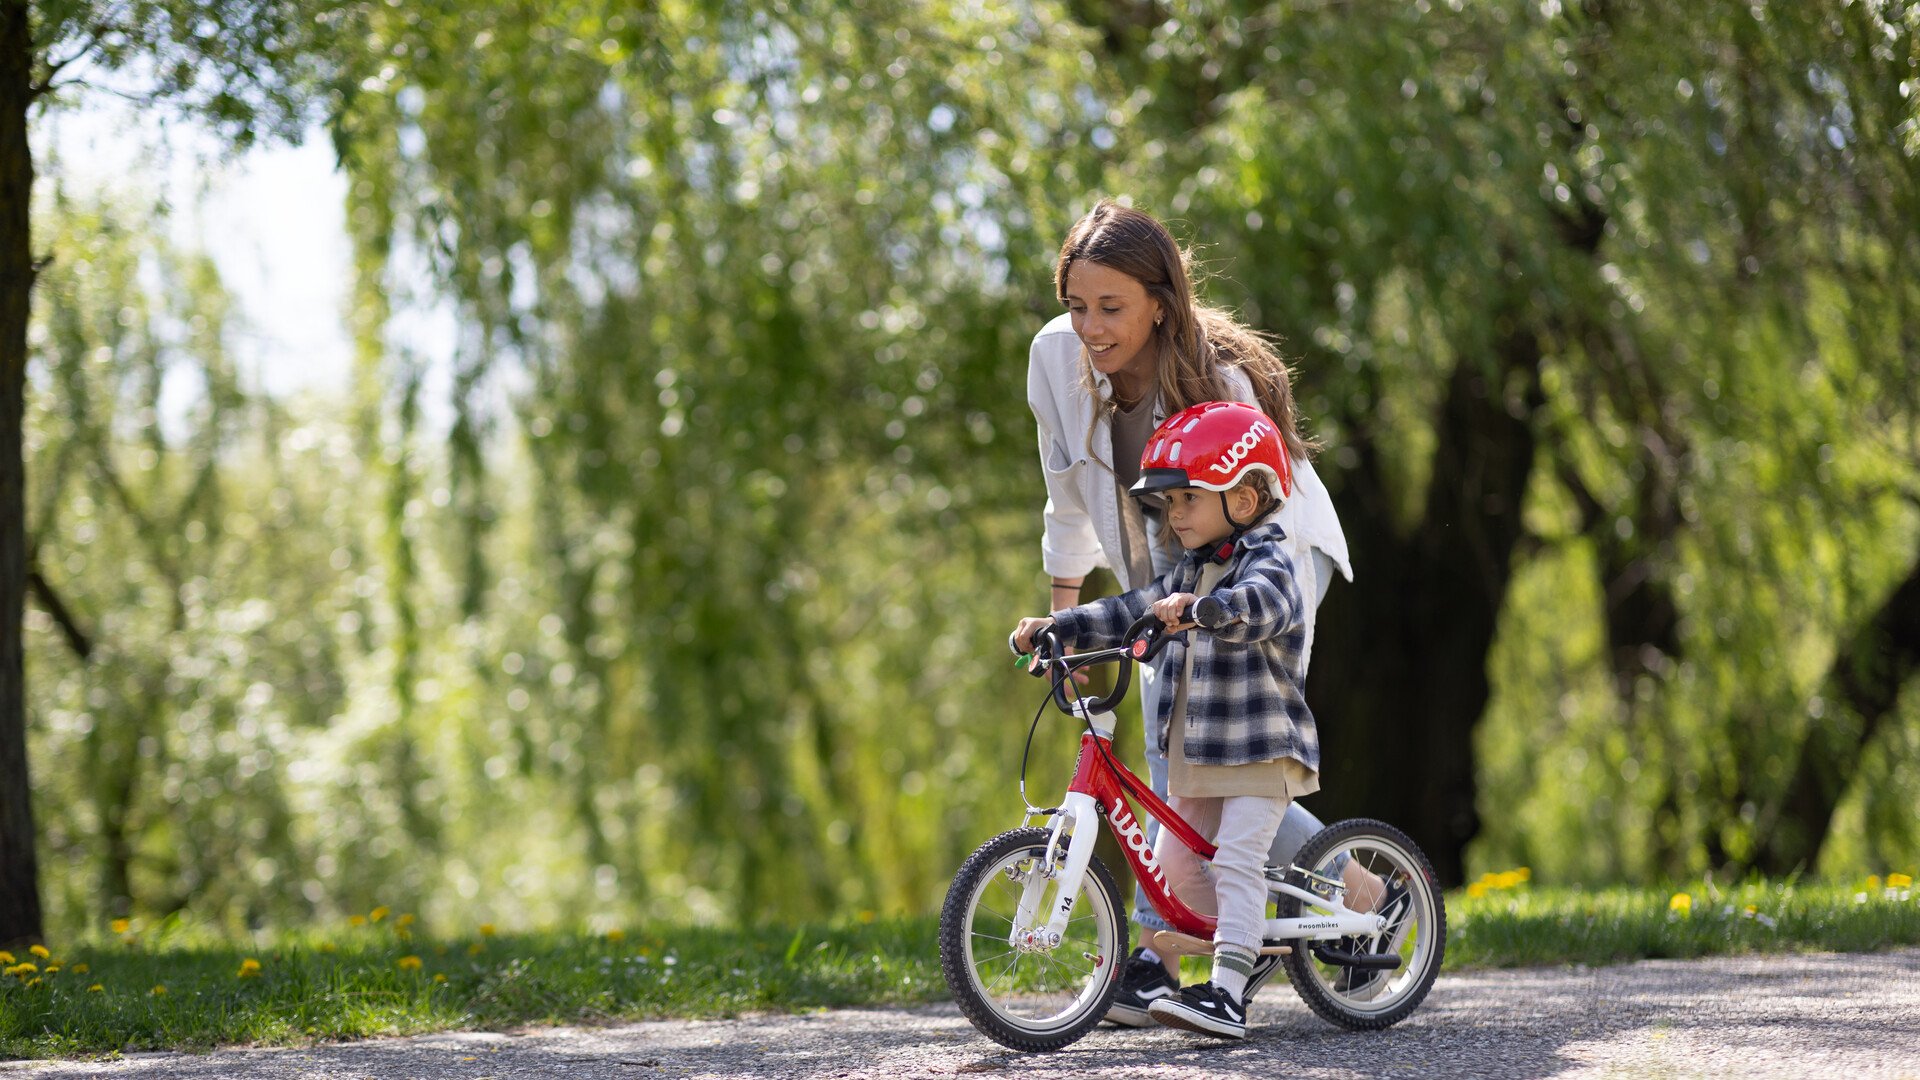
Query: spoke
991,917
1074,975
982,961
995,986
995,912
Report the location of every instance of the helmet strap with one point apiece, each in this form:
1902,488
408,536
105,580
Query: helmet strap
1224,549
1227,511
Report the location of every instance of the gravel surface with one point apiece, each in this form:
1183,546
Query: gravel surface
1823,1015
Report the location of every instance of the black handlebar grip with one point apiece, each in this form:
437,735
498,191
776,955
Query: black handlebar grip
1211,613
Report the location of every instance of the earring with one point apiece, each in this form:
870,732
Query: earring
1157,318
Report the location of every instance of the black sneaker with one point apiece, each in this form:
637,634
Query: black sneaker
1204,1008
1395,904
1263,969
1142,982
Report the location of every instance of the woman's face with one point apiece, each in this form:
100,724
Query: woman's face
1114,317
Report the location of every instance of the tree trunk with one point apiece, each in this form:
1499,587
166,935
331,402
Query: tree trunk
1860,689
20,917
1397,742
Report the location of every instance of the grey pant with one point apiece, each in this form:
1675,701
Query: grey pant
1296,826
1231,889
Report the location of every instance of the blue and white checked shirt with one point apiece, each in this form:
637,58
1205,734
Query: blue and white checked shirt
1246,702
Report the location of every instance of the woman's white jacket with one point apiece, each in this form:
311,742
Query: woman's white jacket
1082,519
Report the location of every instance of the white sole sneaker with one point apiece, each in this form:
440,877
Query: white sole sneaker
1182,1014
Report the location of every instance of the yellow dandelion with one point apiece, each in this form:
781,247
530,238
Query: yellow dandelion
404,919
356,920
35,981
1477,890
476,949
24,968
409,963
486,929
96,988
121,926
7,958
616,935
378,913
53,967
249,969
439,978
159,990
1681,903
1873,882
1899,881
1526,873
39,951
79,969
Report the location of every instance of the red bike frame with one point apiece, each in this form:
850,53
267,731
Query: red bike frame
1103,778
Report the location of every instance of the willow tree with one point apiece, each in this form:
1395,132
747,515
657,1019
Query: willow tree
1624,278
729,261
250,70
1572,286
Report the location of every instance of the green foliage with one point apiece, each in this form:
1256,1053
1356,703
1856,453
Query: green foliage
248,69
694,608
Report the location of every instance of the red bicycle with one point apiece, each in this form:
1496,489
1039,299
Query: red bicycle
1033,933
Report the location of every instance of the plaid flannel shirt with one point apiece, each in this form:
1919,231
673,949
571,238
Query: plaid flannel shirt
1246,702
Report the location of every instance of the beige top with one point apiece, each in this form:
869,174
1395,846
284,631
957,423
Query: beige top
1273,778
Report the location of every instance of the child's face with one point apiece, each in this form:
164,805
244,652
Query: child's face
1114,316
1198,519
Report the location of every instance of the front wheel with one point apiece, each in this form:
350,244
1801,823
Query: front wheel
1416,933
1030,999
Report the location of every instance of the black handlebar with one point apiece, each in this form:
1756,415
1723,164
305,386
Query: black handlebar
1054,659
1143,641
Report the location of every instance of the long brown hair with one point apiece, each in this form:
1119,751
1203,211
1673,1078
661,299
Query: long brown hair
1196,343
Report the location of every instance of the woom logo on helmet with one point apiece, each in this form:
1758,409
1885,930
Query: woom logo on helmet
1241,449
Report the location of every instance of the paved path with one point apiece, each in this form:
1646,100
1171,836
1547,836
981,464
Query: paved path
1850,1016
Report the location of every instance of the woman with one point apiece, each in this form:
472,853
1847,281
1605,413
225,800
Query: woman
1132,349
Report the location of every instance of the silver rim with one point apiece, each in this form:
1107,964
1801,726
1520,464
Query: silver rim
1037,991
1411,937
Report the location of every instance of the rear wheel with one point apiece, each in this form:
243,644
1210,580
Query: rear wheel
1416,933
1030,998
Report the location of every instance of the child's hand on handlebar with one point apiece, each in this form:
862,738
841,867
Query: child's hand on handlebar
1022,639
1172,611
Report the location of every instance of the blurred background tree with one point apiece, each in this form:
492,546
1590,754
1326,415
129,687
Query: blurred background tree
694,605
248,69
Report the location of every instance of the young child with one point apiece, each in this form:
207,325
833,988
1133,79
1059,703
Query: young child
1240,741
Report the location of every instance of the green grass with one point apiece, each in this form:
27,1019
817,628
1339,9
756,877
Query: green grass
351,983
1525,925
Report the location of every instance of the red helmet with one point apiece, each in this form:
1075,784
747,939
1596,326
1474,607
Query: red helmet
1213,445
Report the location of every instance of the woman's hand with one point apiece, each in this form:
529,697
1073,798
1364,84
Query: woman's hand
1173,610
